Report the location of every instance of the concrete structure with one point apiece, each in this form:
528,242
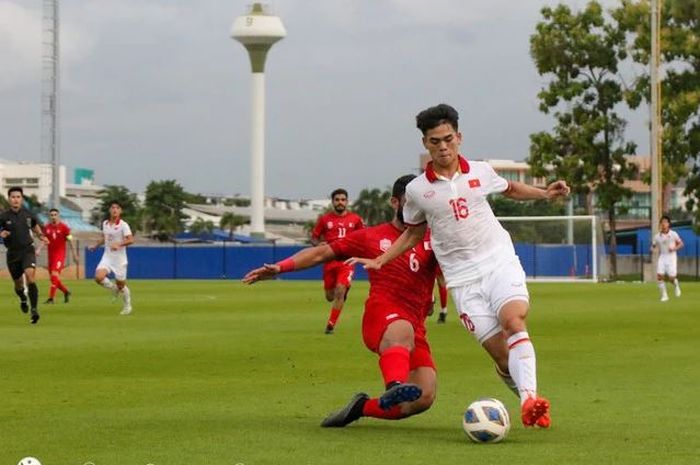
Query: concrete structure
258,31
34,178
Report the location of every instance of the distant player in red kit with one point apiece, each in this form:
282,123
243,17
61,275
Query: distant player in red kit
58,234
337,276
393,324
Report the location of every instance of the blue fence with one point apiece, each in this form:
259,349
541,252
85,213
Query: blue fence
232,262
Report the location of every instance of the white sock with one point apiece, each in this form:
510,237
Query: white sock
522,364
443,311
126,295
107,284
662,287
676,283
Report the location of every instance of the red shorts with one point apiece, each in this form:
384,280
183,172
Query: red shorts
378,315
337,273
56,265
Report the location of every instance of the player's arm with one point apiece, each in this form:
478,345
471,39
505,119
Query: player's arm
678,243
38,232
521,191
128,240
411,236
301,260
100,242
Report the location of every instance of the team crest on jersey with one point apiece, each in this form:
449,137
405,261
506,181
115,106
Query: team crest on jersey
350,225
329,225
474,183
429,194
384,244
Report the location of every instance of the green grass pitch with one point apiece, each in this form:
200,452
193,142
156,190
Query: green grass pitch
214,372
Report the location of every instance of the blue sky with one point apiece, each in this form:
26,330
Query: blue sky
156,89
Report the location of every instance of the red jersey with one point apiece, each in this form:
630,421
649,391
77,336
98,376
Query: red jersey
332,226
406,281
57,235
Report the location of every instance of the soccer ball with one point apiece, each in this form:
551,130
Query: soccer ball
29,461
486,421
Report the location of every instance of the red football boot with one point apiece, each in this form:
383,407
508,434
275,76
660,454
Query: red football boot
535,409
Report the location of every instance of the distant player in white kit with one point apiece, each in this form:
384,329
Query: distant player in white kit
668,242
475,253
116,236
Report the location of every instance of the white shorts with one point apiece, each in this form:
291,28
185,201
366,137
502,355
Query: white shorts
119,269
480,302
666,265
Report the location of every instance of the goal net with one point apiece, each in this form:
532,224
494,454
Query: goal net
558,248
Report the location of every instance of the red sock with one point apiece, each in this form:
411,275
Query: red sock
52,289
60,285
333,319
395,364
372,409
443,296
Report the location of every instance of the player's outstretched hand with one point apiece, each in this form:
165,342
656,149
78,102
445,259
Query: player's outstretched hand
557,189
266,271
367,263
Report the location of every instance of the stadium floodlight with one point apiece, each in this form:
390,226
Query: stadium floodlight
258,31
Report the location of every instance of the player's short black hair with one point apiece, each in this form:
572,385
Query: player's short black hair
115,202
338,192
15,189
400,184
433,117
665,217
53,210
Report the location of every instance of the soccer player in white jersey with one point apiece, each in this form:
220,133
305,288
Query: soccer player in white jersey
475,253
668,242
116,236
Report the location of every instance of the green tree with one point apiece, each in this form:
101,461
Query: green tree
200,226
373,206
580,53
131,208
163,209
231,221
680,85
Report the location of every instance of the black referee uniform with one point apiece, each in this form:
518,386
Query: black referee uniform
21,253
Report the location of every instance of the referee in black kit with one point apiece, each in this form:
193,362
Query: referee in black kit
16,226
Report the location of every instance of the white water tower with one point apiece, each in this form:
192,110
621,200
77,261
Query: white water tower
258,31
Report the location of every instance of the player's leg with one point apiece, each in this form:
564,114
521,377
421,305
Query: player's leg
660,272
442,290
56,282
673,276
497,348
17,273
120,277
102,279
32,292
522,363
340,278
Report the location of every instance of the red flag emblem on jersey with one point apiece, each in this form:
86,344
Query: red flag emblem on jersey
473,183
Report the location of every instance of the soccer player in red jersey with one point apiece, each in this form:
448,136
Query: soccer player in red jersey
337,276
442,289
58,234
393,324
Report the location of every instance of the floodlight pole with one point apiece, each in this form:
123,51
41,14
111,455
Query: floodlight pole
656,125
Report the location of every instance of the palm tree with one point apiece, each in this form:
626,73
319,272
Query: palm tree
200,226
373,206
231,221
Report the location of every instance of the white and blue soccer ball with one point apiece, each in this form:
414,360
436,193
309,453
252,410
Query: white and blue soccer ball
486,421
29,461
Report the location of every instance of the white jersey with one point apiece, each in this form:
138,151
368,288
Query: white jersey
665,241
466,237
115,233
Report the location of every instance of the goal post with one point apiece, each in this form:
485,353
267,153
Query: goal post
558,248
